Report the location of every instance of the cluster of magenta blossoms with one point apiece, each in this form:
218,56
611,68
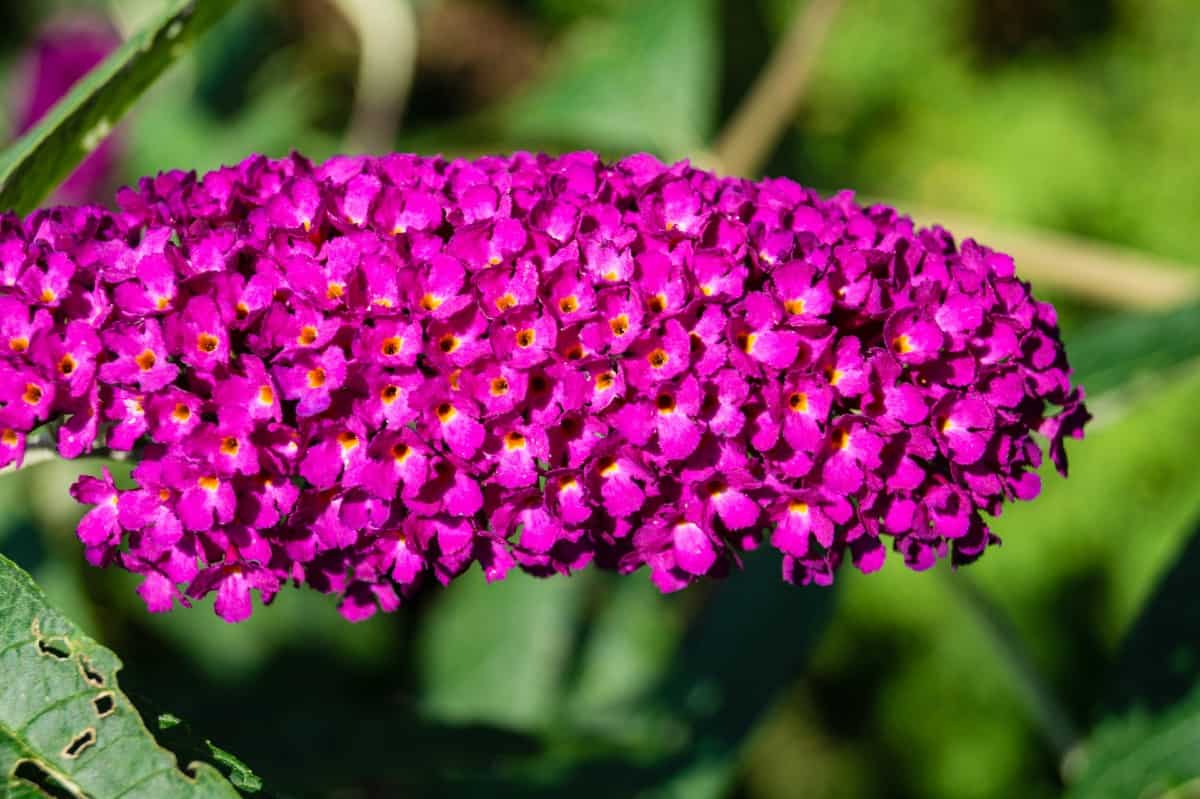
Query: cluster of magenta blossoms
366,373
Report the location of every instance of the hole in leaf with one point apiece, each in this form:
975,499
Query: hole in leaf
104,704
90,674
81,742
53,650
33,774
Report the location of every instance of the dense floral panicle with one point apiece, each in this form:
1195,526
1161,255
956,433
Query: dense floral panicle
372,372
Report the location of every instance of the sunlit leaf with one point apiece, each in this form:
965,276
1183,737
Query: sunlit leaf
65,725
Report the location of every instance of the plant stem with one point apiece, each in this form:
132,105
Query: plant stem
41,448
1031,687
769,107
387,38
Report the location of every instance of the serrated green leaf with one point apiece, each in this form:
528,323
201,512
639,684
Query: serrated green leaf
645,79
64,722
1143,754
36,163
1148,737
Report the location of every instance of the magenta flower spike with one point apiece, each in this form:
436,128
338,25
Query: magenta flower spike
373,372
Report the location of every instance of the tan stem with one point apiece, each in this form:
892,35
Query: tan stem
745,144
1101,273
387,36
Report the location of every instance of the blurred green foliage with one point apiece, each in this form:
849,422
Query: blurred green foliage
1074,115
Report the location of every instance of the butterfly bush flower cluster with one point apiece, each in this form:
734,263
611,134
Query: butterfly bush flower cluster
374,372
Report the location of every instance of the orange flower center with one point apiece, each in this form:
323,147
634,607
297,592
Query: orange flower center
316,377
33,394
391,346
146,360
308,334
18,344
230,446
658,358
498,387
67,364
207,342
568,304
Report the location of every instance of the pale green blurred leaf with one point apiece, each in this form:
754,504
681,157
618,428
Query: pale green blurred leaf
630,643
497,653
644,79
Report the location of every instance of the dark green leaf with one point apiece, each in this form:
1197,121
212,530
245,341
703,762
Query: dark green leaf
65,725
35,164
1115,352
1148,737
747,644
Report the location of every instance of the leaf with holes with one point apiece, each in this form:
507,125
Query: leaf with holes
66,730
37,162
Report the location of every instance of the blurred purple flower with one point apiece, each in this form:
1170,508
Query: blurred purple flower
63,53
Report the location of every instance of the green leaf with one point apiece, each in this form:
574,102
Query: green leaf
629,645
36,163
643,79
65,726
1148,739
497,653
1120,350
749,644
745,647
